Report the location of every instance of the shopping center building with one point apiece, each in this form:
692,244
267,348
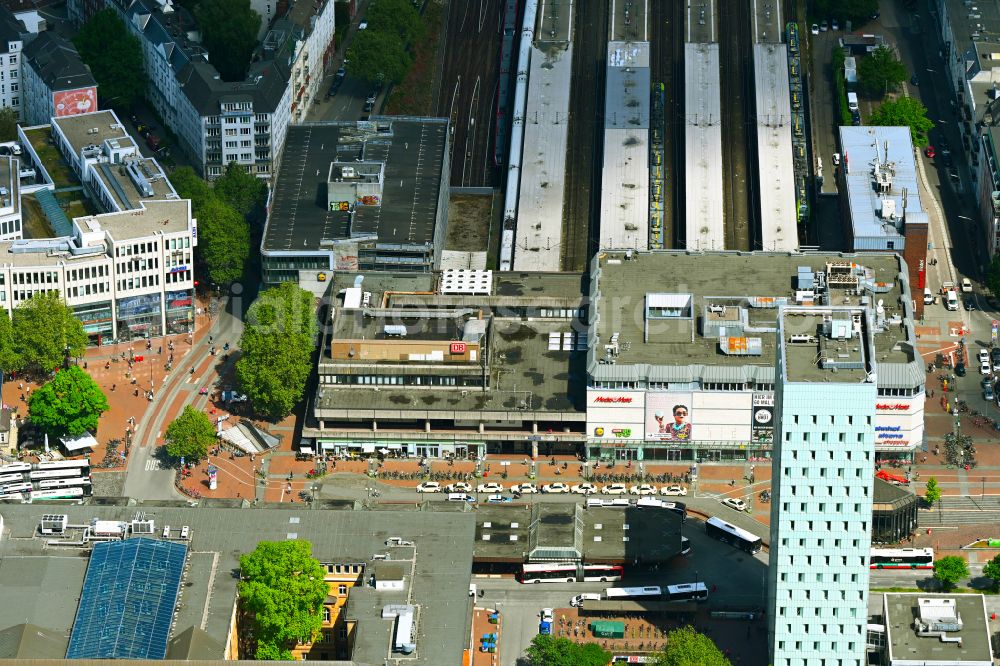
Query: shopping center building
682,350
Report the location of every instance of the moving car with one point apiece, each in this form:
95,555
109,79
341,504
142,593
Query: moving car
524,488
967,285
489,488
674,490
643,489
460,497
499,499
584,489
984,368
969,304
930,152
459,487
615,489
555,488
545,626
734,503
429,487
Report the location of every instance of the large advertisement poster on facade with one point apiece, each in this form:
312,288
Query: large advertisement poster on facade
75,102
762,425
615,416
669,417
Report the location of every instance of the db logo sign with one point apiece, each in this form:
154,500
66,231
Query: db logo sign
458,348
598,432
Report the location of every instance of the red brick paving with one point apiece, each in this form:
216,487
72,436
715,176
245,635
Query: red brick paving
481,626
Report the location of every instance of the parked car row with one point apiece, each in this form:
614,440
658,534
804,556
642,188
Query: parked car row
554,488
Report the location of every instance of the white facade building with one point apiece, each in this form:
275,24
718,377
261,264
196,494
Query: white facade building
822,476
11,42
127,272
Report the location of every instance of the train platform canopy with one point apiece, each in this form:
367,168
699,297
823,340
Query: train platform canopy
128,600
78,443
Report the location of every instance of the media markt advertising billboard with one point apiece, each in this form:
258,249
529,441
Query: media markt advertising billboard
762,427
668,417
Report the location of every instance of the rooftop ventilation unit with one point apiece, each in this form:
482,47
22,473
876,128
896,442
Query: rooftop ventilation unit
395,330
139,180
733,346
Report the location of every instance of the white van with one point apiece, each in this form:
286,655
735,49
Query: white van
952,300
578,600
460,497
928,296
852,101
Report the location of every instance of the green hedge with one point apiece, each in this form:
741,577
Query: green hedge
841,86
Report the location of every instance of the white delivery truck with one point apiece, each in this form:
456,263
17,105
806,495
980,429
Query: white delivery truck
852,101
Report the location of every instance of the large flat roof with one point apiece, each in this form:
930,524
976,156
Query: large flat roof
778,218
704,223
625,174
906,648
891,150
628,21
676,348
79,129
441,564
846,360
538,245
413,151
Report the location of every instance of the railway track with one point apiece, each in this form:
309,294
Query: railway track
736,79
586,127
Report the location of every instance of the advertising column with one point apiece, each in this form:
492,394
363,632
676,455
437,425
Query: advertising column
615,424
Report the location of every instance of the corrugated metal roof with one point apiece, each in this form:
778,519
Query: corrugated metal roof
672,373
724,374
620,373
900,375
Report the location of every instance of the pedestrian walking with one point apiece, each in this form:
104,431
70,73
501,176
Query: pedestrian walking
113,387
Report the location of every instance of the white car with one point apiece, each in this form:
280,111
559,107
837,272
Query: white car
814,29
643,489
546,615
460,487
967,285
615,489
489,488
584,489
984,356
734,503
676,491
984,368
524,488
555,488
429,487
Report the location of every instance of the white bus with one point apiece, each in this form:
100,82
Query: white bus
16,488
632,592
736,536
57,493
11,496
10,468
687,592
80,463
55,473
570,572
65,483
10,478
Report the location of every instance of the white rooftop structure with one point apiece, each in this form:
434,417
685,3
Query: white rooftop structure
538,243
778,219
470,282
705,225
625,176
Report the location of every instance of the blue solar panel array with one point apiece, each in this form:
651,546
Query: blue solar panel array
128,600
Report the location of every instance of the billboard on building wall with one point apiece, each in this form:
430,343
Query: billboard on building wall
669,417
762,425
75,102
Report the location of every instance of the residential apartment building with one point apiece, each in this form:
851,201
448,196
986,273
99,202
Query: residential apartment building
11,223
127,271
12,36
219,122
56,82
822,486
336,636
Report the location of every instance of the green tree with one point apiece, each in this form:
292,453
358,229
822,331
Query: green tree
949,570
229,32
904,112
276,346
45,330
189,435
70,404
397,17
553,651
881,71
115,58
10,360
378,57
8,124
932,493
992,571
190,185
242,191
223,242
282,588
993,276
687,647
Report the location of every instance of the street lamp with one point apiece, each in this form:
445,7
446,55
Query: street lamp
983,492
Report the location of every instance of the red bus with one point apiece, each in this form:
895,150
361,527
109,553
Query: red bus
570,572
